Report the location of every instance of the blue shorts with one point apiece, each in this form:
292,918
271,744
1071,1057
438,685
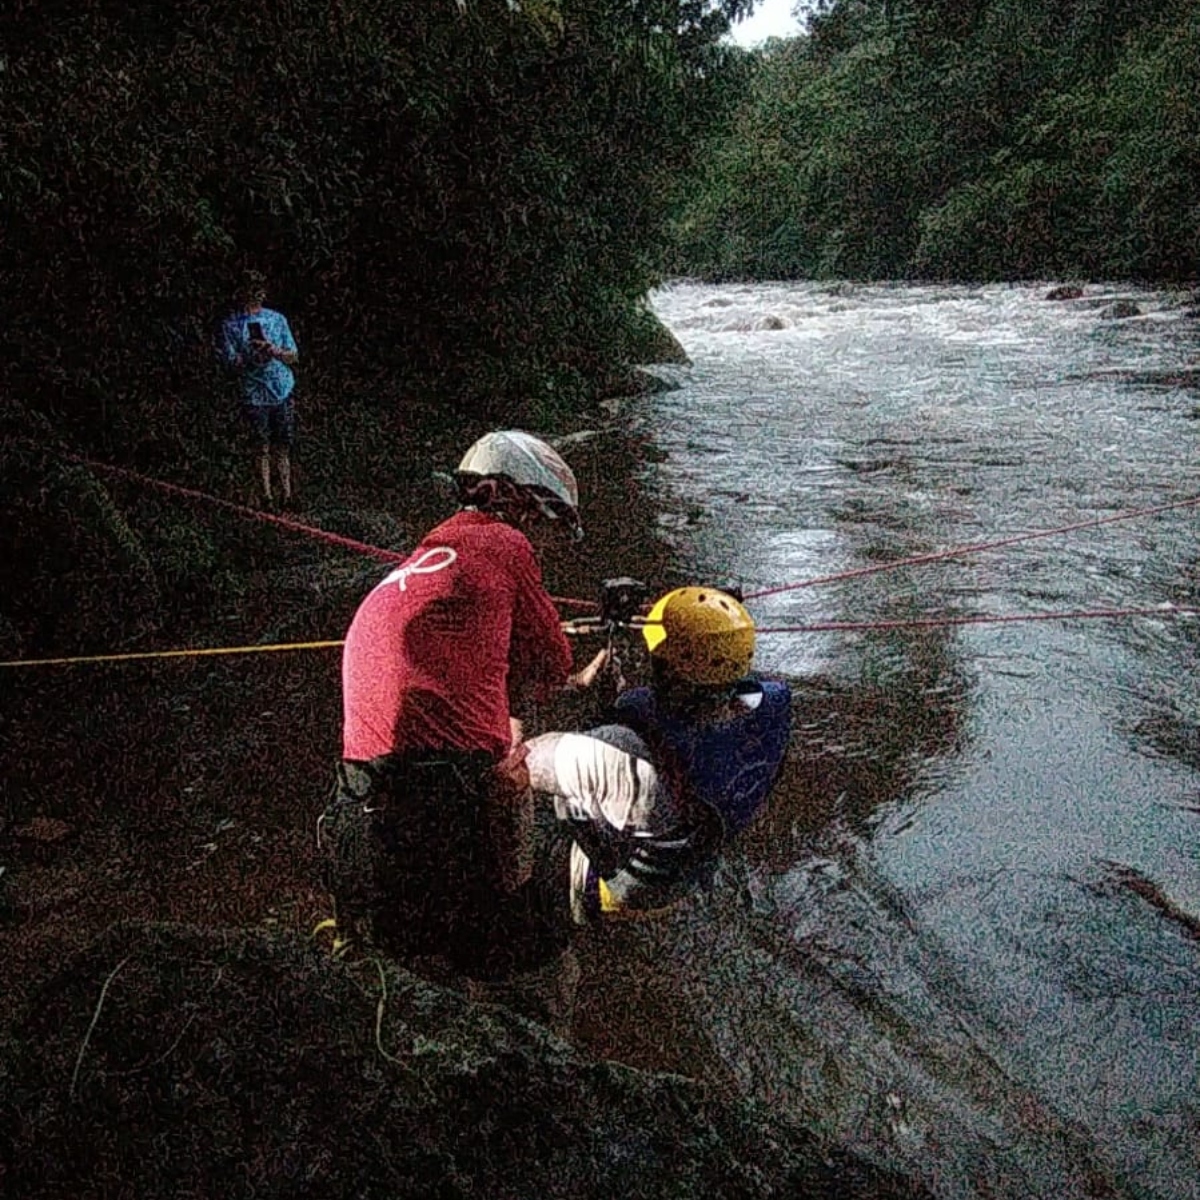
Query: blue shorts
275,424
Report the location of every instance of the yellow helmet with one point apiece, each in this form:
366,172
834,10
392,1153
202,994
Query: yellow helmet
701,634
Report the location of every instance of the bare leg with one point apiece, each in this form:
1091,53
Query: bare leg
283,466
264,464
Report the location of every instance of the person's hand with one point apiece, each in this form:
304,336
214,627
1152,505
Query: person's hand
589,674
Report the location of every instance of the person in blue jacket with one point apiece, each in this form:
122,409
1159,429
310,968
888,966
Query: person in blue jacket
651,799
257,343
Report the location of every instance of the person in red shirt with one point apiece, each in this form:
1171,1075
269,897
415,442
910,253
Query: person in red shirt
427,839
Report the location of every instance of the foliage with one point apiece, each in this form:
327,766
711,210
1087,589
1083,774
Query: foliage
76,565
459,204
471,194
991,139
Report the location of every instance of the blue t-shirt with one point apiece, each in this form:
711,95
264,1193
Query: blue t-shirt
266,383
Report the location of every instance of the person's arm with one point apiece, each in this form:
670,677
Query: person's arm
539,653
285,349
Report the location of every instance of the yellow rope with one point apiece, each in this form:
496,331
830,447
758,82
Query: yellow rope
103,658
147,654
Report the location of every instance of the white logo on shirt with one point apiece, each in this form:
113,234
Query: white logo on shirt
436,558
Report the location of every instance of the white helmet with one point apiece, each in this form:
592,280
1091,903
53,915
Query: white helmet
529,462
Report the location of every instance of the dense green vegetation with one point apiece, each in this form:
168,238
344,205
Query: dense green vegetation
974,139
459,204
469,193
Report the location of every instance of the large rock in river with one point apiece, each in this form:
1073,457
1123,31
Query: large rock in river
651,342
168,1061
1119,310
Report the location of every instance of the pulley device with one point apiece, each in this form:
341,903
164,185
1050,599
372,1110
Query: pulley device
619,602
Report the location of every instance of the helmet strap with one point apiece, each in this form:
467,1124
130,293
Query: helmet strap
501,497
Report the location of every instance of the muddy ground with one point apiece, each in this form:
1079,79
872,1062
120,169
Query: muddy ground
186,789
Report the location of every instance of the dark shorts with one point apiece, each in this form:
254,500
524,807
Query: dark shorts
273,424
404,857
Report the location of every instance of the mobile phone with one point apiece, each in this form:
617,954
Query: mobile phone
254,331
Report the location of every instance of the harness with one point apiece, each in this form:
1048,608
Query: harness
372,786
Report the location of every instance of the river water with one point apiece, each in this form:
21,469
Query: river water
966,938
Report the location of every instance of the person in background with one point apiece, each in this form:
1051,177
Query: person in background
257,343
427,839
651,799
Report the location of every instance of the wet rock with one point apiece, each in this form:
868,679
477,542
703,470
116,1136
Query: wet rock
1120,310
652,342
444,484
579,438
771,322
1064,292
1121,875
252,1064
634,381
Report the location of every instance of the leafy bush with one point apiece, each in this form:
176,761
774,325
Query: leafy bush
995,139
471,195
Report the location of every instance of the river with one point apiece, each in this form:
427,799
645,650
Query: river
966,937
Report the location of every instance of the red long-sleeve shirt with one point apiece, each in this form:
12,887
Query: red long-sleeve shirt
436,649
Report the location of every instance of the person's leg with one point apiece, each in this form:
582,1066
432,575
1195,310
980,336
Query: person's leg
283,427
345,868
526,961
283,468
259,421
427,866
264,469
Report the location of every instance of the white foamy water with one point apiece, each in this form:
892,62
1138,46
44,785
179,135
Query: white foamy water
1003,966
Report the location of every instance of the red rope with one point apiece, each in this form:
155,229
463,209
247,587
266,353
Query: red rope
933,622
335,539
956,551
338,539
